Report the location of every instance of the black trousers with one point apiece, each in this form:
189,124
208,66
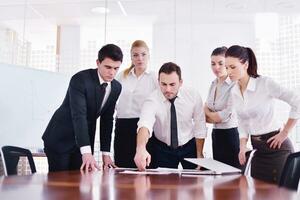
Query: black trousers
63,162
226,146
166,156
125,142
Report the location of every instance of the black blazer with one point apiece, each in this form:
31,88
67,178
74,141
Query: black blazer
73,124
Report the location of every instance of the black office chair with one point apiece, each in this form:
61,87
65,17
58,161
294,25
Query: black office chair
247,166
291,172
10,157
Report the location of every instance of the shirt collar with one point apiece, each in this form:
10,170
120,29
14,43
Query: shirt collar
147,71
101,80
227,81
164,99
252,84
179,94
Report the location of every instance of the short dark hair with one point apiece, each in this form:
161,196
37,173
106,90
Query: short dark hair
111,51
219,51
169,68
244,54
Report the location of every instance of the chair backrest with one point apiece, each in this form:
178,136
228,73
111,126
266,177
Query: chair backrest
1,165
247,166
11,155
291,172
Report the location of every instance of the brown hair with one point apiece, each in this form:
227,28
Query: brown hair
169,68
137,43
244,54
220,51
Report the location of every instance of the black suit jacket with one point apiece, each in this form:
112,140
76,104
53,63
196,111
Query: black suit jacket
73,124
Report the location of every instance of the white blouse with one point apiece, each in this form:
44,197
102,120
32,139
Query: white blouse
222,104
255,109
134,92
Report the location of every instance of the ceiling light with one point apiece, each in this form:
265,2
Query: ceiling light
101,10
122,8
234,5
285,4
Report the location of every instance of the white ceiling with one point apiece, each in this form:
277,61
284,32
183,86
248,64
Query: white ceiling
68,11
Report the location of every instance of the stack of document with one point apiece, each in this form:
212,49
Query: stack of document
214,168
147,171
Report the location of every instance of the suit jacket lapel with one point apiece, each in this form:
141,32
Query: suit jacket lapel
100,97
97,89
110,97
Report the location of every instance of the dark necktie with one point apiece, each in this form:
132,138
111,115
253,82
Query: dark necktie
104,85
103,90
174,131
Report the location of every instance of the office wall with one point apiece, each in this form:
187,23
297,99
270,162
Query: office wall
191,42
28,98
194,43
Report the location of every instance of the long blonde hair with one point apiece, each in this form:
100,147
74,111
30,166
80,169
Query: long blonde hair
137,43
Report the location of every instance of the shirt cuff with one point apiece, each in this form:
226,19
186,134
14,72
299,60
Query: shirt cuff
106,153
85,149
242,133
294,115
202,134
147,126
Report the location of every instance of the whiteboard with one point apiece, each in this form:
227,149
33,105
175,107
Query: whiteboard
28,98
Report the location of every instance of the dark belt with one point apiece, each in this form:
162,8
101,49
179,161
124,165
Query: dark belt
157,141
127,119
265,136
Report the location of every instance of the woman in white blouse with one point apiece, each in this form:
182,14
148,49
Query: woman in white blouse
253,98
219,111
137,83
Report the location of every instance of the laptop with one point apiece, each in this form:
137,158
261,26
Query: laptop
214,167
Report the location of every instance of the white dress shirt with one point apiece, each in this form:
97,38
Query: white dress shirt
255,110
222,104
155,116
134,92
87,149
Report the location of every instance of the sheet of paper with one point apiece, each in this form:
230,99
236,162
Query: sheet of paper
163,169
144,172
124,168
205,172
213,165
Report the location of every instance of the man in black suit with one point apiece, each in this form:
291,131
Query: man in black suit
70,135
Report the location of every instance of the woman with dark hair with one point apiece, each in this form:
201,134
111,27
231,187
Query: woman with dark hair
253,97
219,111
137,83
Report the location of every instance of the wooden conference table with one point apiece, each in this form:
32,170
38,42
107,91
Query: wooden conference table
110,184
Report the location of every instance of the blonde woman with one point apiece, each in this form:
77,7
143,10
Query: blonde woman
137,83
